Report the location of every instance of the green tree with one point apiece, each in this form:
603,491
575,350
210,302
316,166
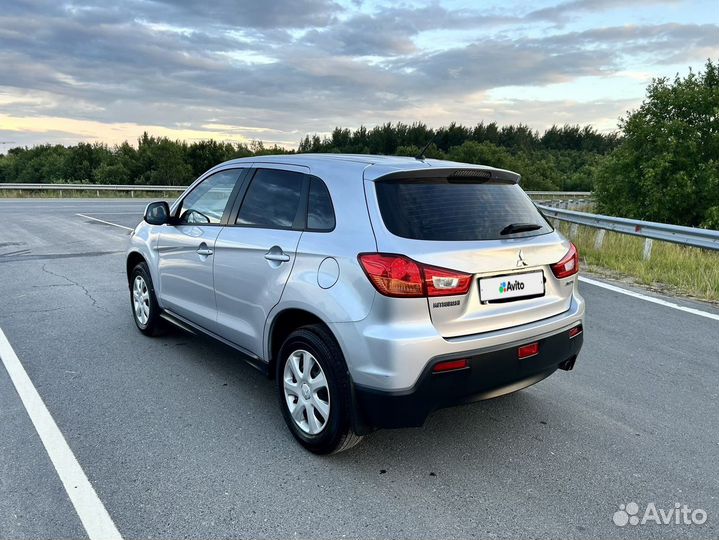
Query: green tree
112,172
205,154
484,153
82,160
666,167
162,161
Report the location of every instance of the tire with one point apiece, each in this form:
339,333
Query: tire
142,293
323,412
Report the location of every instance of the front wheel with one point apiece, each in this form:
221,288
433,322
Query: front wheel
313,388
145,310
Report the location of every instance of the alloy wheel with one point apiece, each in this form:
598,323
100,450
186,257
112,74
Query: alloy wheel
307,393
141,300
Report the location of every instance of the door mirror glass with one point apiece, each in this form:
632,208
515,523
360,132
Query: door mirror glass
157,213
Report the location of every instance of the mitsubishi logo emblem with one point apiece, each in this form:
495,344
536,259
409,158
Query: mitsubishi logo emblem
520,260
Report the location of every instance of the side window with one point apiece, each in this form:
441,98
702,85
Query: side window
206,203
320,213
272,200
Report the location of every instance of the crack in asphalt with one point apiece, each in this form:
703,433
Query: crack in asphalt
75,283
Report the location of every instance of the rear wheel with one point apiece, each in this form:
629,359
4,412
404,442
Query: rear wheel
145,310
313,388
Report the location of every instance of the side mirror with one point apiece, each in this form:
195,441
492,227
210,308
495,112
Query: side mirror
157,213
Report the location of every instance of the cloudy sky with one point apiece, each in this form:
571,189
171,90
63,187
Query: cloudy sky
277,69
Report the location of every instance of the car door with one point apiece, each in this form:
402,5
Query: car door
255,254
186,248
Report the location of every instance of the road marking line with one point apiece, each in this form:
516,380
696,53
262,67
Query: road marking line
105,222
649,298
92,513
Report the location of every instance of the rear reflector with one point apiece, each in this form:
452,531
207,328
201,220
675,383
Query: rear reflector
525,351
575,331
450,365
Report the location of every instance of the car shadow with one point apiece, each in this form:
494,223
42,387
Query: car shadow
483,429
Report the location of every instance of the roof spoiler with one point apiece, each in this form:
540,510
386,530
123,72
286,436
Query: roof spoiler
456,174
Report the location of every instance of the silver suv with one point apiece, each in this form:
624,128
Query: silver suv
374,289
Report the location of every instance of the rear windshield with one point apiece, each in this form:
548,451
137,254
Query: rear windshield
440,209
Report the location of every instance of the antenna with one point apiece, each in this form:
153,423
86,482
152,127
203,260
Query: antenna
420,156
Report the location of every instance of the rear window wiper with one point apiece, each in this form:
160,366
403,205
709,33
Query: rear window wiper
519,227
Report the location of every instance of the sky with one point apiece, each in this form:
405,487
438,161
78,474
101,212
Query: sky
275,70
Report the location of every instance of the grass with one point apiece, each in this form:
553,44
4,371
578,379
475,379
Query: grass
672,268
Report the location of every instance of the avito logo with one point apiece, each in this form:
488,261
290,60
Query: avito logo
509,286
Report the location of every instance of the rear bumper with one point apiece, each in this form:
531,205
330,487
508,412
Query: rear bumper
490,373
391,348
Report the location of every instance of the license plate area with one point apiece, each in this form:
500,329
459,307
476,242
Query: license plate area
509,287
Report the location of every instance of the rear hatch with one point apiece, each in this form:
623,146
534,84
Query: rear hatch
478,222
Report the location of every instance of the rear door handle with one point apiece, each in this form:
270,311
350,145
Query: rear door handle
204,251
278,257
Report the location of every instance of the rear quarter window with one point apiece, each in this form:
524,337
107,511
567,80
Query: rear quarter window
439,209
320,212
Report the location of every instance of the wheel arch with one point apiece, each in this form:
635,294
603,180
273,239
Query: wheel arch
283,324
133,259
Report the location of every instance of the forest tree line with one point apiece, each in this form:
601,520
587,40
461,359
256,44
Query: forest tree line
562,158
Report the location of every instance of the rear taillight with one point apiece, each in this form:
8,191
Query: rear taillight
397,275
393,275
569,265
442,282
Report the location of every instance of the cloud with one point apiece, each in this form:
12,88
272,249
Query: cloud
565,10
251,13
188,70
390,31
536,61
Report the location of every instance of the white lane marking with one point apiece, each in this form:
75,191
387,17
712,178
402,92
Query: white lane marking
92,513
649,298
105,222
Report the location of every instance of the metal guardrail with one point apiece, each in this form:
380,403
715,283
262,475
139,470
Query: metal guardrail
560,194
677,234
91,187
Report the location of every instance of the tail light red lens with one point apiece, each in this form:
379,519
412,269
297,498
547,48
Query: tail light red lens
569,265
573,332
442,282
397,275
393,275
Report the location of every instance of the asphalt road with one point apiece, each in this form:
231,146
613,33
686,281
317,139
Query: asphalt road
180,439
